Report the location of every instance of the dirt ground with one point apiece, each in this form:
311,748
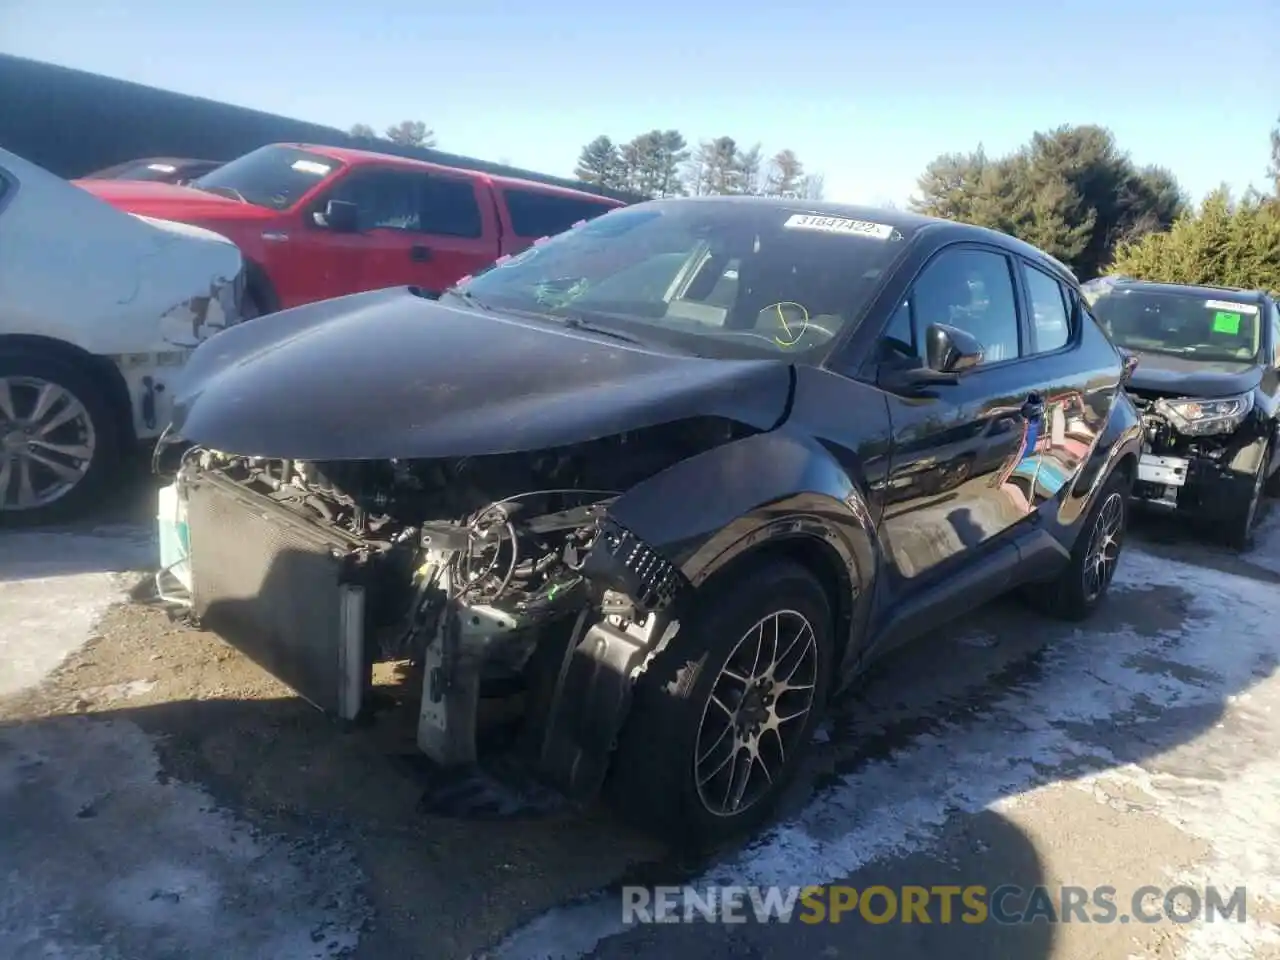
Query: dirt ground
165,797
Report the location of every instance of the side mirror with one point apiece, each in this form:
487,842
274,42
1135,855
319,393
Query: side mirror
1130,362
951,350
342,216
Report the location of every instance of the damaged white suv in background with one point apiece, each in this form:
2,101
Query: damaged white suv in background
99,310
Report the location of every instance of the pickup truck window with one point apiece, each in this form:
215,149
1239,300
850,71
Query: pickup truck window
535,214
399,199
387,199
449,207
273,176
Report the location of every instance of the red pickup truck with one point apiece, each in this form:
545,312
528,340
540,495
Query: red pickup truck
318,222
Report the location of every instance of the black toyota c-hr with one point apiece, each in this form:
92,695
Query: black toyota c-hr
674,476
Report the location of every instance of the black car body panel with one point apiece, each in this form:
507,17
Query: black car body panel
422,379
1204,476
436,432
1163,375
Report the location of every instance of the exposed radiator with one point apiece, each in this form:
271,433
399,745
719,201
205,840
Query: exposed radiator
275,587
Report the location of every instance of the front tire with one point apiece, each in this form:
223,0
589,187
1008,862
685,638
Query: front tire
722,716
59,439
1239,531
1084,582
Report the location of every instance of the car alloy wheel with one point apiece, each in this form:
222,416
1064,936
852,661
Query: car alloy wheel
1104,546
47,442
755,713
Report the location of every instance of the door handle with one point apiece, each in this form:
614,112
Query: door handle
1033,407
419,254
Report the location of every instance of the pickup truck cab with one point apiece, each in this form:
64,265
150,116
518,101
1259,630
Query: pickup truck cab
316,222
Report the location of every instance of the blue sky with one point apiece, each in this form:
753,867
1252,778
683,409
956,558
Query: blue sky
865,96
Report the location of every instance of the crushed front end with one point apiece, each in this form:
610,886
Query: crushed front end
1200,456
498,577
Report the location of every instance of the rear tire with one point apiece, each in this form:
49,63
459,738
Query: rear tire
66,439
1084,582
749,743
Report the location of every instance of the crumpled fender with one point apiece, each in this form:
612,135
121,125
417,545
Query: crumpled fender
701,515
703,512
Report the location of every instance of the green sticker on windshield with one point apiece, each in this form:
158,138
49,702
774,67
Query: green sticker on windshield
1226,322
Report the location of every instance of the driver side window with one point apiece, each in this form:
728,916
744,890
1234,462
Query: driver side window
966,288
387,199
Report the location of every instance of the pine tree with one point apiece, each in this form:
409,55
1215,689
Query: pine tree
599,163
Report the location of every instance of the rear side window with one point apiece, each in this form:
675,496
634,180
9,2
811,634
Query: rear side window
536,214
1050,310
449,208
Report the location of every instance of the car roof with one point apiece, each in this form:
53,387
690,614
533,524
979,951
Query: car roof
1186,289
352,155
907,223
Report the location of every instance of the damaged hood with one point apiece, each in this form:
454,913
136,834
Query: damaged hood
389,374
1173,376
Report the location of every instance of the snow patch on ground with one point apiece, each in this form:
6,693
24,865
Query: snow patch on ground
54,587
114,864
1266,550
1099,692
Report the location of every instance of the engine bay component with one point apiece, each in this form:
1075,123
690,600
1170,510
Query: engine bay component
461,568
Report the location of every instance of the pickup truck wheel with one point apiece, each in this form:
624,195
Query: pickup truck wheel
1084,581
59,439
1240,529
721,717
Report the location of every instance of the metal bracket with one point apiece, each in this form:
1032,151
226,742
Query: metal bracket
450,704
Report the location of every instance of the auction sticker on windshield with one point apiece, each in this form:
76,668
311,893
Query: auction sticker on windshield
859,228
1225,321
310,166
1230,307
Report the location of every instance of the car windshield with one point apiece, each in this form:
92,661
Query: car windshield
1199,327
271,176
714,278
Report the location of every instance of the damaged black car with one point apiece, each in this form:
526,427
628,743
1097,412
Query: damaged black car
666,482
1207,383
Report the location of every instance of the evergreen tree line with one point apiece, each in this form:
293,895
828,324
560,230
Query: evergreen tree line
661,163
407,133
1075,194
1072,191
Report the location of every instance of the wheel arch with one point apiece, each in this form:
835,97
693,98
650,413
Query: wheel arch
801,541
712,517
259,287
103,371
1117,448
768,494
